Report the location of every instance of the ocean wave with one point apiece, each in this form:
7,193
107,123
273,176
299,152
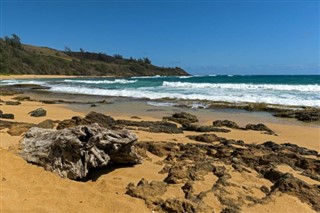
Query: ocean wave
155,76
116,81
227,97
13,82
186,76
242,86
153,103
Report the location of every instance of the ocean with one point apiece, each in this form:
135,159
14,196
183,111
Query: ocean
290,90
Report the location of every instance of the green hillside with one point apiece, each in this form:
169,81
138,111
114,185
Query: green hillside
17,58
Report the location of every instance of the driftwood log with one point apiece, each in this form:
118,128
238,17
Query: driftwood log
72,152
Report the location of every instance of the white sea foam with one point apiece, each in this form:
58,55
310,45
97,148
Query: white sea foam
155,76
153,94
13,81
116,81
280,87
153,103
186,76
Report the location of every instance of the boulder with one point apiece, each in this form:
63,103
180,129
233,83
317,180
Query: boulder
72,152
182,118
22,98
40,112
197,128
46,124
207,138
259,127
12,103
146,190
226,123
7,115
92,117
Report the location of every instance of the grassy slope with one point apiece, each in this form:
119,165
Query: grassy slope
47,61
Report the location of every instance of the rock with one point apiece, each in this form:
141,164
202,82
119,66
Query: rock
152,126
7,116
93,105
18,129
12,103
182,118
22,98
197,128
103,120
226,123
165,128
74,121
92,117
38,112
72,152
135,117
178,206
146,190
207,138
293,186
259,127
46,124
265,189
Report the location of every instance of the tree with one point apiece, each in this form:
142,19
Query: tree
67,49
146,60
82,50
14,41
118,56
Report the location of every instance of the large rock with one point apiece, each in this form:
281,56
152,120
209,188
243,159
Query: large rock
93,117
72,152
226,123
38,112
259,127
182,118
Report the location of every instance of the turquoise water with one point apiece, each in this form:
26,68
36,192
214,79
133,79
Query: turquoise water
285,90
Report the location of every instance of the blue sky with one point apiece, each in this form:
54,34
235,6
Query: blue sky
203,37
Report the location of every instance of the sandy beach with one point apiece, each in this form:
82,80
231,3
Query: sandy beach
30,188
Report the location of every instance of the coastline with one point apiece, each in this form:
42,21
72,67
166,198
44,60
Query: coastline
12,77
28,187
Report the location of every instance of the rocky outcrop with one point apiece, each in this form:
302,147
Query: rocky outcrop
226,123
40,112
198,128
259,127
185,164
6,115
306,115
182,118
92,117
14,103
207,138
72,152
152,126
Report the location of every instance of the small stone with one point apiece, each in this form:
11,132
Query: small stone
40,112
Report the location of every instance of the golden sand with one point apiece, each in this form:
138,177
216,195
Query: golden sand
29,188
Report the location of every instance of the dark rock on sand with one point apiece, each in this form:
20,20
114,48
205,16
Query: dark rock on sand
22,98
146,190
197,128
226,123
178,206
296,187
259,127
6,115
306,115
152,126
19,129
72,152
12,103
92,117
207,138
46,124
182,118
40,112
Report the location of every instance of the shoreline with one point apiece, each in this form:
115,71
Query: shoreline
13,77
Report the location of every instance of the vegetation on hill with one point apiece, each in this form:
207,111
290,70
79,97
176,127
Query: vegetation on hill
18,58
